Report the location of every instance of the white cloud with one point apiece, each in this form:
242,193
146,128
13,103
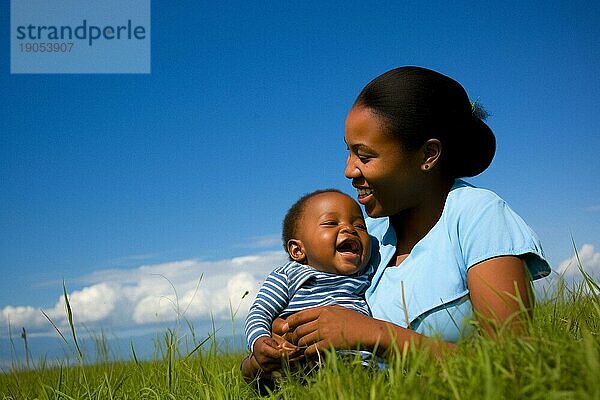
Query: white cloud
21,316
590,263
569,271
197,290
194,289
93,303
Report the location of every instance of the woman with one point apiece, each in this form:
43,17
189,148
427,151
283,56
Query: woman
446,253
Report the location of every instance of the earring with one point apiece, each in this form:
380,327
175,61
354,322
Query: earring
426,166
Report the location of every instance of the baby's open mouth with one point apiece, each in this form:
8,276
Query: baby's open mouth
349,245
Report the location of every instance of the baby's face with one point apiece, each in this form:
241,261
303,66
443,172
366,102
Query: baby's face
333,234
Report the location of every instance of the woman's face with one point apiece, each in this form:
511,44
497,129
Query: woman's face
387,177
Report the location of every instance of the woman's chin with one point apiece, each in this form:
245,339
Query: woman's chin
372,206
374,211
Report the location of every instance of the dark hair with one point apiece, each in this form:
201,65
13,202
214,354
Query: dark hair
293,215
417,104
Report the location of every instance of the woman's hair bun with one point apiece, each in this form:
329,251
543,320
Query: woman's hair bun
417,104
474,151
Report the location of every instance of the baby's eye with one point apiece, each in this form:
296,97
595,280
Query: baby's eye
362,227
329,223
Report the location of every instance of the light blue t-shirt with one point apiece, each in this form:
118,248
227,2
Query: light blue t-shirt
428,290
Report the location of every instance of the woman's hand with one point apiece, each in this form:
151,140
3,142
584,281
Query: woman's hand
280,327
321,328
325,327
286,340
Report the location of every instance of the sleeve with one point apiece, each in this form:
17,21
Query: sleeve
271,300
496,230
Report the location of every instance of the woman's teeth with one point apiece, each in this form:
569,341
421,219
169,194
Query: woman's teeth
364,192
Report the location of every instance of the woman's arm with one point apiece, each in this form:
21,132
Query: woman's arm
337,327
500,293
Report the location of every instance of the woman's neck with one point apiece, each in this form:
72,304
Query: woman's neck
413,224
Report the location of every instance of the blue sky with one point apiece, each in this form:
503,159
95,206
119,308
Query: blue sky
110,179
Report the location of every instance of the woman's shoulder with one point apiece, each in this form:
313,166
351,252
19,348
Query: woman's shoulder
467,202
466,195
486,226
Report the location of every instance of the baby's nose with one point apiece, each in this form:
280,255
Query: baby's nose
348,228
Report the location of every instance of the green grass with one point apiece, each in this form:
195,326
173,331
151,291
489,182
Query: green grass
559,358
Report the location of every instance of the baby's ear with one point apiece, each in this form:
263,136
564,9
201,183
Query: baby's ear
296,250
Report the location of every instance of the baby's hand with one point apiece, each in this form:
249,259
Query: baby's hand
293,352
268,354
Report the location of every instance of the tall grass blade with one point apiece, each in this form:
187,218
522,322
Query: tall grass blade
135,359
27,353
55,327
13,349
590,282
60,383
198,346
70,319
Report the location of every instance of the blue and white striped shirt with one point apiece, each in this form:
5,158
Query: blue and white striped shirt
294,287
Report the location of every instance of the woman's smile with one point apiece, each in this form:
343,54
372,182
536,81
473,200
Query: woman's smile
365,195
363,192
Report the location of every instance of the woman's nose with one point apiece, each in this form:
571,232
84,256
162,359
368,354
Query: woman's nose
351,171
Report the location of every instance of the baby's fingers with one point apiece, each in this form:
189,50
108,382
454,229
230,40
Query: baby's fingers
270,350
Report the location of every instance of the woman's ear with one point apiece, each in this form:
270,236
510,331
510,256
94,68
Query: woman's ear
296,250
432,151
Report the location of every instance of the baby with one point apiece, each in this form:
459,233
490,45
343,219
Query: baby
325,236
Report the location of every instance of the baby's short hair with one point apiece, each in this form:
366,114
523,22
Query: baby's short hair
293,215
